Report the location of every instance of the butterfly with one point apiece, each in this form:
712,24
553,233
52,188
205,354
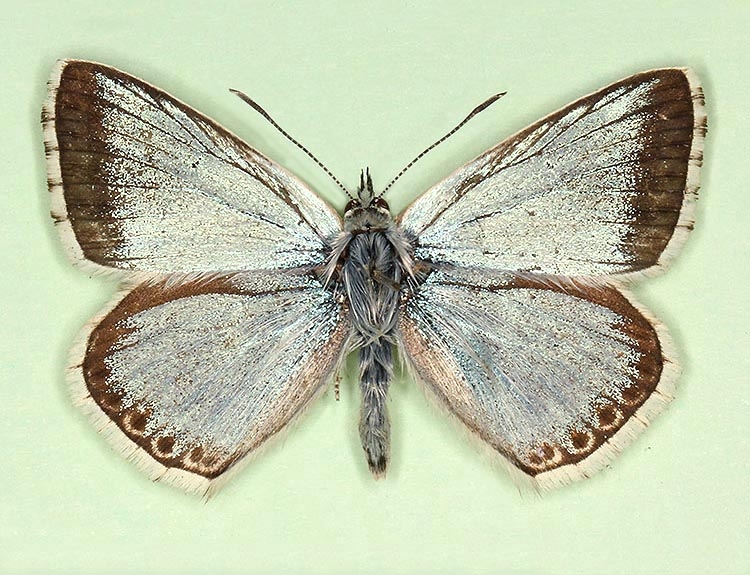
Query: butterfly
502,288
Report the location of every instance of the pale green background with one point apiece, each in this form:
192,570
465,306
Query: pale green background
372,84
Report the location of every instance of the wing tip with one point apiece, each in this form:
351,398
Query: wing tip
58,206
686,218
55,183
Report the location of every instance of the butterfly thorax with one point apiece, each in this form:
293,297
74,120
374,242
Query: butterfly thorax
372,272
373,258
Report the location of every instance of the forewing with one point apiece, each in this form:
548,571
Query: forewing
140,181
556,377
189,378
604,186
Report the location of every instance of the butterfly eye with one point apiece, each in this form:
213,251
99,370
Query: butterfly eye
352,205
380,203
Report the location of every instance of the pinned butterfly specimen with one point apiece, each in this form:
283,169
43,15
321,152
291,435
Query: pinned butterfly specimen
502,287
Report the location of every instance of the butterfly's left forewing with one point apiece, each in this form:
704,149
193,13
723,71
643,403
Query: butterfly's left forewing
141,182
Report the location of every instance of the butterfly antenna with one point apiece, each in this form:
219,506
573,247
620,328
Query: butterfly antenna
481,107
247,99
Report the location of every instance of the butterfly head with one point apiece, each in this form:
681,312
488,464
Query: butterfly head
367,211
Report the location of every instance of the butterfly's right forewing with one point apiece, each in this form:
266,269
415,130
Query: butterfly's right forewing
602,187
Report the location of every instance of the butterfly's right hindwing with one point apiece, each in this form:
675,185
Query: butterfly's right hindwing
555,377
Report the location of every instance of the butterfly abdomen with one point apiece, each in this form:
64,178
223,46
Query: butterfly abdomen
376,367
372,273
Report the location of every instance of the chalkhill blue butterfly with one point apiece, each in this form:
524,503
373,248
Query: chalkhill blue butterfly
501,288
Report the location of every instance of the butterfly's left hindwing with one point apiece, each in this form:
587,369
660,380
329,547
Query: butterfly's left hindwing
190,378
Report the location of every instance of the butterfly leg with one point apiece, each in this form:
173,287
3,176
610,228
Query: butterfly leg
383,279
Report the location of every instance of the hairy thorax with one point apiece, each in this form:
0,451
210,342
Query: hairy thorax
373,267
371,260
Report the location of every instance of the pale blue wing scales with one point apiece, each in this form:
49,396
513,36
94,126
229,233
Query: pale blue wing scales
189,379
554,377
604,186
142,182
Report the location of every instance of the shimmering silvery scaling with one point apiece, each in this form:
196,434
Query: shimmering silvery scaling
502,287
